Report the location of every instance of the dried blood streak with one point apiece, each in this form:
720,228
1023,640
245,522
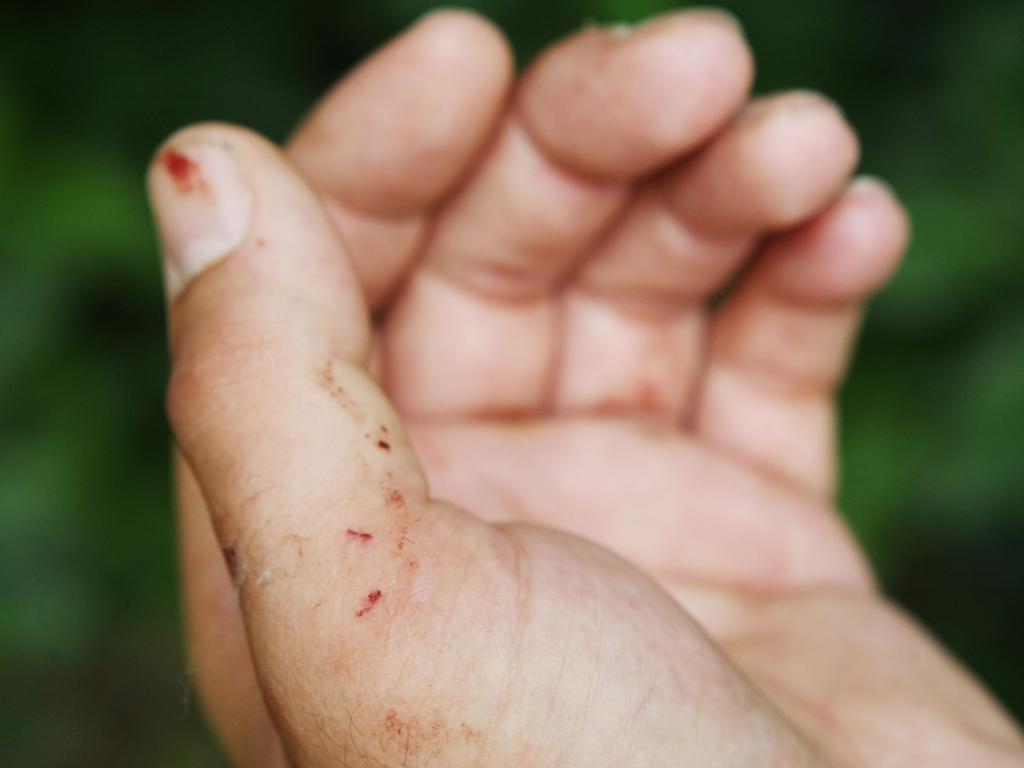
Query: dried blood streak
368,603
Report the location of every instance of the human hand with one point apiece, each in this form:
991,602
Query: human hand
540,272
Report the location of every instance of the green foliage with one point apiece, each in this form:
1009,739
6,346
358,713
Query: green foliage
89,631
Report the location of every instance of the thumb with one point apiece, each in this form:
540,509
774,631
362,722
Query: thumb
313,490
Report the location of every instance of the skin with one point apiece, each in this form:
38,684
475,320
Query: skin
551,505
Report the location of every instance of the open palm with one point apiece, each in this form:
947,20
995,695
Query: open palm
614,301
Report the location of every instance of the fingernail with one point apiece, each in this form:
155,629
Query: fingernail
619,30
203,207
868,183
790,103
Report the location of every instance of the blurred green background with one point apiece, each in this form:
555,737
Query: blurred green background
91,669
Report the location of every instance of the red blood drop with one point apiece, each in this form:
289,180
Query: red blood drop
182,169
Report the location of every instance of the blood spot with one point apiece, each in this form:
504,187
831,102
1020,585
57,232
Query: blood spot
384,445
395,499
183,170
368,602
360,536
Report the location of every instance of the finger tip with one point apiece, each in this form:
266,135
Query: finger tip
881,194
465,34
796,154
884,224
398,131
702,58
714,28
202,202
678,77
849,251
223,135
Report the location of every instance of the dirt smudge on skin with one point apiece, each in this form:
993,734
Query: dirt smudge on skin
329,383
395,501
403,538
412,737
